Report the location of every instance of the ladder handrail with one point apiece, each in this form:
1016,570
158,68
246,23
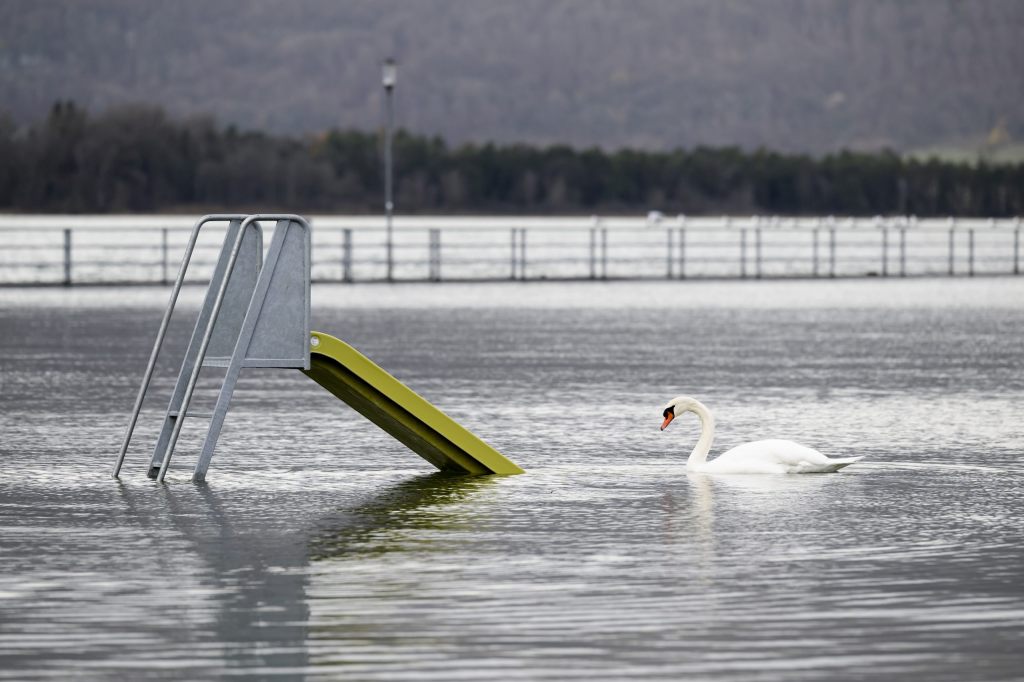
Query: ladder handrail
158,344
208,334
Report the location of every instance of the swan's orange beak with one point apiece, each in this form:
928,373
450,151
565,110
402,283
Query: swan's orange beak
668,420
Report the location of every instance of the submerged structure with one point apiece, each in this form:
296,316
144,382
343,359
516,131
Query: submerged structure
256,314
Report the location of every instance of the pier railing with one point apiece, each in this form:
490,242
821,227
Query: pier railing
126,250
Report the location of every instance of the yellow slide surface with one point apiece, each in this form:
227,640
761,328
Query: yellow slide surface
394,407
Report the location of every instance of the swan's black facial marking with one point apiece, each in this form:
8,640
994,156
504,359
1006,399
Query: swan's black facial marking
669,413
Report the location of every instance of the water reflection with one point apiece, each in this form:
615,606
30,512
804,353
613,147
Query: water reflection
377,526
704,520
249,584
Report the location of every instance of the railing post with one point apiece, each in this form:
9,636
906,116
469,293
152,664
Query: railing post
682,253
430,254
1016,248
743,253
903,252
668,254
952,236
593,253
512,254
832,252
885,251
434,254
67,256
814,248
970,252
163,256
604,253
522,253
757,252
346,254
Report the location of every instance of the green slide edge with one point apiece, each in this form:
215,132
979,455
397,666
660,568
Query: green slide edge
400,411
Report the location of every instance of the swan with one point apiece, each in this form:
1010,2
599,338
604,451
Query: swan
759,457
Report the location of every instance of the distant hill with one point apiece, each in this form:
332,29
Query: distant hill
803,75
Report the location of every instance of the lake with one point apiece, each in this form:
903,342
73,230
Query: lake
321,549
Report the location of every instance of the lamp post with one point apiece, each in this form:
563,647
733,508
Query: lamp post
389,75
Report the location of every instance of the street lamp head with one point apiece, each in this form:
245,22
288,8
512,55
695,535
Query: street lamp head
389,73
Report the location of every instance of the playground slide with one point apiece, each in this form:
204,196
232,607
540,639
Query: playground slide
397,409
257,315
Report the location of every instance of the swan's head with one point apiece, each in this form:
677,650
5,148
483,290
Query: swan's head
676,407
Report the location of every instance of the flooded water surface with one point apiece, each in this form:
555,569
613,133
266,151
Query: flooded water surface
321,549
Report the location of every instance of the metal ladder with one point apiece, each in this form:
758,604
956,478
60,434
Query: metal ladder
255,314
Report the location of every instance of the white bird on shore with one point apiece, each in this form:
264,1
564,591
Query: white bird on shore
758,457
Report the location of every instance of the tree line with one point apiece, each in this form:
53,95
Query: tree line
138,159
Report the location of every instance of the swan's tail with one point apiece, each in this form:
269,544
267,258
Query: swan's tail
837,463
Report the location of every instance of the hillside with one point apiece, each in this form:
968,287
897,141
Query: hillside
803,75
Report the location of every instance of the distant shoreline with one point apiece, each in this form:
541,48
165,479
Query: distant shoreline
136,159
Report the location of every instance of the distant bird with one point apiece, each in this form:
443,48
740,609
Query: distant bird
759,457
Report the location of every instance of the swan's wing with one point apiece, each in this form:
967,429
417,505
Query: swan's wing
776,456
781,450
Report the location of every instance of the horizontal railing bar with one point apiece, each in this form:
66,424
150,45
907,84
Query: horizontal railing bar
119,246
121,263
33,264
55,246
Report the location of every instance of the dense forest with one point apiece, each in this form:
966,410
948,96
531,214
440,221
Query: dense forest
810,76
137,159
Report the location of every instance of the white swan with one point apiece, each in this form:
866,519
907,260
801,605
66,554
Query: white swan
759,457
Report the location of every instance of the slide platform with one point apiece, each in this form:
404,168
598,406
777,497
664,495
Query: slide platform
397,409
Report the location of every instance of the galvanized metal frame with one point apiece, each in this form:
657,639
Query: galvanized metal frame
176,418
284,261
274,292
207,321
282,340
162,333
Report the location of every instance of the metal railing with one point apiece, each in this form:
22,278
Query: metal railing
126,250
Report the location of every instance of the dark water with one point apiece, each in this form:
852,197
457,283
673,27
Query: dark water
321,549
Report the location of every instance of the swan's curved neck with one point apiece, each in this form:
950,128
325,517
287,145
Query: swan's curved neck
699,455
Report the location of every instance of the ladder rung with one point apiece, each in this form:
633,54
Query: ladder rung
201,415
257,362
